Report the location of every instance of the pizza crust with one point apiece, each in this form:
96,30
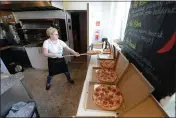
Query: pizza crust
107,97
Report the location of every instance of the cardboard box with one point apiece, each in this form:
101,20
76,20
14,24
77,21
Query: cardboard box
133,86
98,45
150,107
110,56
108,50
121,65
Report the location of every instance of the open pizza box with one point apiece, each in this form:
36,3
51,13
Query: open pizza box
133,86
108,50
108,56
98,45
150,107
112,57
120,66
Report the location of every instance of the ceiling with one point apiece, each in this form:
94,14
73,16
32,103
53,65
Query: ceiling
26,6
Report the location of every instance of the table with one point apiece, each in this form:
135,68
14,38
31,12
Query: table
82,111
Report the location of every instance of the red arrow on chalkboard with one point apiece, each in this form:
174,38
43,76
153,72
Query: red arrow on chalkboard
169,45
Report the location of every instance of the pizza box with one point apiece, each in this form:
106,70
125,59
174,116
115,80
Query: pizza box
121,65
133,86
108,50
111,56
98,45
97,63
150,107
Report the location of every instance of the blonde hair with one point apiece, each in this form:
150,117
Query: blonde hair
50,31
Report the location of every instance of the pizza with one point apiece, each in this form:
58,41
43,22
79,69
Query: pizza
107,97
107,63
106,75
92,52
107,50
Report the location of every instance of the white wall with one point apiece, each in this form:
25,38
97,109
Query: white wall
95,14
98,11
112,17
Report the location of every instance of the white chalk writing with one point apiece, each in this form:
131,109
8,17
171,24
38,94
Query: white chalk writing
163,11
144,32
138,10
138,36
155,34
157,10
154,5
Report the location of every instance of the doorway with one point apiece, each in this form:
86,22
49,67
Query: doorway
79,30
79,33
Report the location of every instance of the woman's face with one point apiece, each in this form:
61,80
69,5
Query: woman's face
54,36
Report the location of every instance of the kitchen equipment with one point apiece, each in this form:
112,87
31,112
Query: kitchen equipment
36,57
16,38
12,35
1,34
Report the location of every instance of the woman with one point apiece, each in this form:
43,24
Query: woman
53,49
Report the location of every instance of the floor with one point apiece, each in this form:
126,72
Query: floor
63,98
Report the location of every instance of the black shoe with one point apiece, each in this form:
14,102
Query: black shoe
72,81
48,86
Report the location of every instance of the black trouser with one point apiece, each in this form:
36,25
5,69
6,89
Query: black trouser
49,78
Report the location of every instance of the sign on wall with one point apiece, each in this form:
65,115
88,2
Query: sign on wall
97,23
150,43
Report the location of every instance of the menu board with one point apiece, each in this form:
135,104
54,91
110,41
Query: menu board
150,43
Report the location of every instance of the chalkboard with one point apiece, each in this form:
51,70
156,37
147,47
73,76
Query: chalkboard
150,43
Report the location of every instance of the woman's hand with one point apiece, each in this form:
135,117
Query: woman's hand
77,54
58,56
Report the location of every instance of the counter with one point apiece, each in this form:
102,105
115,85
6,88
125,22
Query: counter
149,107
82,111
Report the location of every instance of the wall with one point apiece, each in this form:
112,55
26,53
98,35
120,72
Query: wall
112,17
96,14
83,31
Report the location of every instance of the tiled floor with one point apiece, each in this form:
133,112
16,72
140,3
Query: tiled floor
63,98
